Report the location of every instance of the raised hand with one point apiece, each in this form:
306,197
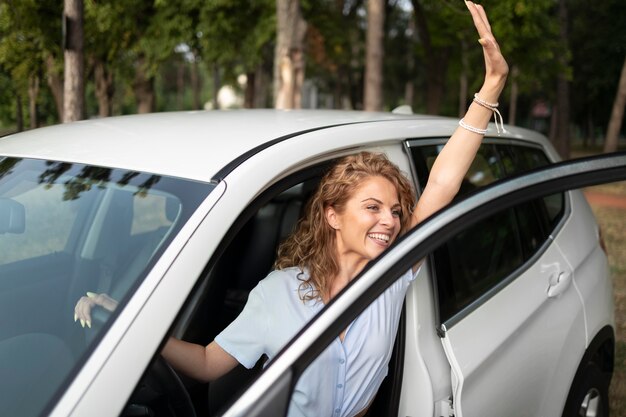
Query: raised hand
496,68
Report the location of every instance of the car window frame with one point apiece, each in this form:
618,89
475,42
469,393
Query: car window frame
515,273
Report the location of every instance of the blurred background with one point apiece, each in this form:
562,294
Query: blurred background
75,59
62,61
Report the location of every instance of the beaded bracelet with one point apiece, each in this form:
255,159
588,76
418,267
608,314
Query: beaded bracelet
471,128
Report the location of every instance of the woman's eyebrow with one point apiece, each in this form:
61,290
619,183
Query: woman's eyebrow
379,201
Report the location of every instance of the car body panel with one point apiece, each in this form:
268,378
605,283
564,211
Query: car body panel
426,376
500,339
194,145
148,143
584,256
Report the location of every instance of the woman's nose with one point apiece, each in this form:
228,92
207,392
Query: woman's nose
386,217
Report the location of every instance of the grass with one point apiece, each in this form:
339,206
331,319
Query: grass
613,224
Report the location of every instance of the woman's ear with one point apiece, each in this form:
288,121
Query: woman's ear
331,217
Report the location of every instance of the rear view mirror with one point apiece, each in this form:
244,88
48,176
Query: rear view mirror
12,216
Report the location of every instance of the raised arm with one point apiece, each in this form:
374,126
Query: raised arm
457,155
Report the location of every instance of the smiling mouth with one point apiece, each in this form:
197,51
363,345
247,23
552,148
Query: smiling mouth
379,237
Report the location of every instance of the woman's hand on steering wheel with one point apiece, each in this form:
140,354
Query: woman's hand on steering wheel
82,310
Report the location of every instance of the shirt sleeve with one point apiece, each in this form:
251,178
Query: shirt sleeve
409,276
244,338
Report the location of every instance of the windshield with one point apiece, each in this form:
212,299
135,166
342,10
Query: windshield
65,230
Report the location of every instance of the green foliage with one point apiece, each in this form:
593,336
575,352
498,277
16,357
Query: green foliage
233,33
336,47
598,39
30,32
528,34
163,37
7,100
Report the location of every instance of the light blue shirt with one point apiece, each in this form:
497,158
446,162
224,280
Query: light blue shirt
344,379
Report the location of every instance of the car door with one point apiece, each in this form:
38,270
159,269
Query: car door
269,395
511,345
505,296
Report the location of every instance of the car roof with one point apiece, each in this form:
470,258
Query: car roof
193,145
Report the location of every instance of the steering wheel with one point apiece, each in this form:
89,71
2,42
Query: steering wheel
160,380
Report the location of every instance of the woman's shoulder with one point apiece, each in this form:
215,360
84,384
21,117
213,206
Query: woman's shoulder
283,278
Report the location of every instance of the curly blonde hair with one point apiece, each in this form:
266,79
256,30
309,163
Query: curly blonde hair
312,245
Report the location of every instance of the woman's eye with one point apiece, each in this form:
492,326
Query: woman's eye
396,213
372,207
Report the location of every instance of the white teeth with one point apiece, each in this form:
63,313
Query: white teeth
379,236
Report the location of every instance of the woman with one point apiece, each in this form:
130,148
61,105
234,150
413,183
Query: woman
362,204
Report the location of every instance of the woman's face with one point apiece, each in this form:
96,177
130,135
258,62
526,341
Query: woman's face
369,223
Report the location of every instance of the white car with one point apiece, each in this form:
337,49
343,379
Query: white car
177,216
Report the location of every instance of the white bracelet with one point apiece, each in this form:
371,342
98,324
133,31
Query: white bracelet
484,103
494,108
471,128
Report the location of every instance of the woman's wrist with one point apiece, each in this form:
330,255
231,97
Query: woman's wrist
492,88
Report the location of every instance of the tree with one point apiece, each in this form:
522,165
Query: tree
30,51
529,35
617,115
438,26
561,133
374,55
336,50
236,37
597,61
289,55
73,54
107,43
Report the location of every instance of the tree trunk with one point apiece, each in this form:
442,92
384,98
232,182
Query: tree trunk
195,84
248,101
180,85
373,94
143,86
56,85
217,84
261,87
409,86
33,93
435,61
74,83
552,130
463,83
561,137
19,115
289,55
617,114
589,138
514,95
104,88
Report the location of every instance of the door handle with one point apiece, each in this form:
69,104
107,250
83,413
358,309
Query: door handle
559,282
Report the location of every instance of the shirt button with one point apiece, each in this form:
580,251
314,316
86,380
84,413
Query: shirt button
339,385
337,410
341,361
